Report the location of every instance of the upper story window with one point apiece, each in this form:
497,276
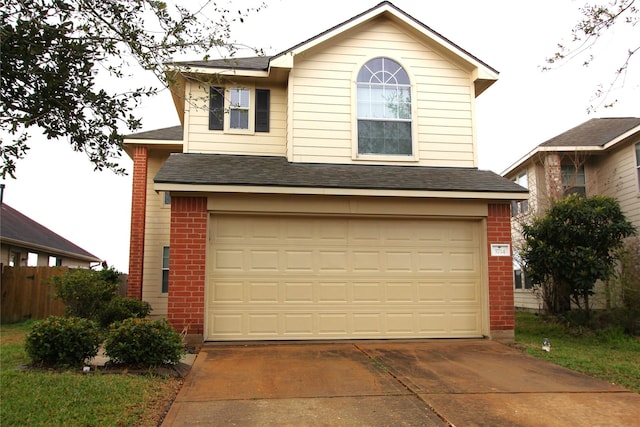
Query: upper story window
573,180
384,109
239,109
522,206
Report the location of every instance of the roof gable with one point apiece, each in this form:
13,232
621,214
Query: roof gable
17,228
483,75
397,15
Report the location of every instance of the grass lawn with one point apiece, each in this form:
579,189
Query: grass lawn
609,355
45,398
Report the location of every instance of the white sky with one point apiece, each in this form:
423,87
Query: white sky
58,188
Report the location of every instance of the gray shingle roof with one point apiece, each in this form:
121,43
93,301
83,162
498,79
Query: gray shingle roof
220,169
593,133
17,227
173,133
250,63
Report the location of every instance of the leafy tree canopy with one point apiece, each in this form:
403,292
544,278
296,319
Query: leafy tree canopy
572,246
54,50
597,21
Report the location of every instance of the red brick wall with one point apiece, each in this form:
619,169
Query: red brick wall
187,261
138,214
501,308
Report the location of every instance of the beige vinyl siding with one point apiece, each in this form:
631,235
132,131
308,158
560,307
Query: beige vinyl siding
157,229
616,176
323,98
202,140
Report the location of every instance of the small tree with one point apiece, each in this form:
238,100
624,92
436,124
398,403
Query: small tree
572,246
84,292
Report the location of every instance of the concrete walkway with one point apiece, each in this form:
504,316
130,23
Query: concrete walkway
392,383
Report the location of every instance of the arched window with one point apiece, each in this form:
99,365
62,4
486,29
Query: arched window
384,109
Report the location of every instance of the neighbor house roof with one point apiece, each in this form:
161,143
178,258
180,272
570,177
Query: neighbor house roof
270,171
20,230
594,135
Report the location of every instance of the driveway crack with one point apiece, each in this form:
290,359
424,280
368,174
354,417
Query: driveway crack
380,364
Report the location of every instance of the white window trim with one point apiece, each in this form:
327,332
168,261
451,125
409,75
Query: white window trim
355,155
252,111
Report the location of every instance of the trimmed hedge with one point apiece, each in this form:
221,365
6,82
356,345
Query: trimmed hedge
143,342
63,341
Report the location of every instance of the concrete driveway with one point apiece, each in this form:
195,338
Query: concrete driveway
392,383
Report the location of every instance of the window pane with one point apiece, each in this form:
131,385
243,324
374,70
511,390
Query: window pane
384,137
239,119
240,98
165,281
165,257
638,154
517,278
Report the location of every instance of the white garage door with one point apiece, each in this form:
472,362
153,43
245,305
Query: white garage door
288,277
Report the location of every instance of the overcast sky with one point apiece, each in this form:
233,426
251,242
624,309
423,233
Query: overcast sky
59,189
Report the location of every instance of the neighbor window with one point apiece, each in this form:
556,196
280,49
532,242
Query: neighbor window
240,104
384,109
521,206
520,280
166,199
165,269
573,180
55,261
638,162
32,259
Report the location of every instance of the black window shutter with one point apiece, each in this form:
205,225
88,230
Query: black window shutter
216,108
262,110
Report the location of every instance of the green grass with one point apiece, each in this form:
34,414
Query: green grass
46,398
606,354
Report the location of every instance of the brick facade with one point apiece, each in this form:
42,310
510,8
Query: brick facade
138,215
500,269
187,262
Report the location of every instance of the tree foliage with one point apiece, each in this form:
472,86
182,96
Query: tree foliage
572,246
597,21
53,52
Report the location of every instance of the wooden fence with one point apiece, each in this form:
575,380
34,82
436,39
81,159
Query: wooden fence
26,293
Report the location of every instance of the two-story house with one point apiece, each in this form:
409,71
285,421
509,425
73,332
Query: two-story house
598,157
330,191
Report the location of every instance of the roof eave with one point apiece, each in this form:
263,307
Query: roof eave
551,149
332,191
48,249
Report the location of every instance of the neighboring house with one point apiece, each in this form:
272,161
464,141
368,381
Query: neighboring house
598,157
24,242
328,192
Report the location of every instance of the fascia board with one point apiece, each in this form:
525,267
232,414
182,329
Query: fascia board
201,189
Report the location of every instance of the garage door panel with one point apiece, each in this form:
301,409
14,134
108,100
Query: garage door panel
332,278
299,261
298,292
332,261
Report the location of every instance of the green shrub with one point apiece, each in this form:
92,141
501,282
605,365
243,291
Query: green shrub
63,341
85,292
143,342
119,309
